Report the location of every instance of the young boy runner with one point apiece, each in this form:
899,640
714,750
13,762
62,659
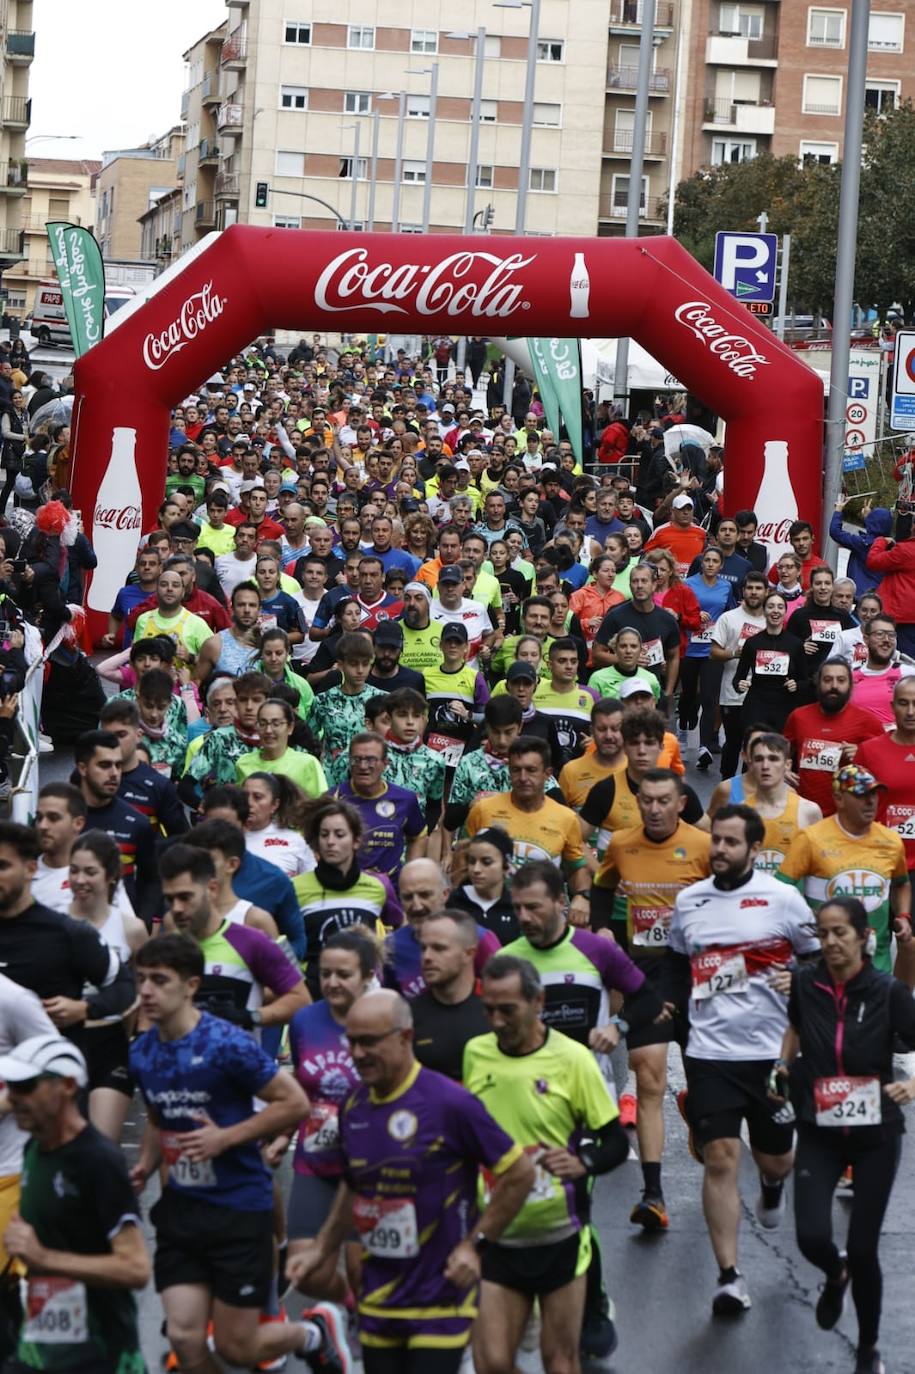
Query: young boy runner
339,713
457,694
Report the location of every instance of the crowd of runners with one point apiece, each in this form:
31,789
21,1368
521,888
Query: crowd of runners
377,858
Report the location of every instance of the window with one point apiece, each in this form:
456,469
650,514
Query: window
489,111
360,36
414,173
411,228
358,224
493,45
287,221
16,300
294,31
290,164
885,32
822,95
542,179
418,106
547,116
819,152
484,177
357,102
623,128
423,40
740,22
825,28
732,150
881,96
549,50
619,197
293,97
346,169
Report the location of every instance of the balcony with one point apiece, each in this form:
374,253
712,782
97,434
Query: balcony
238,4
739,119
181,166
12,245
234,53
229,119
207,153
614,208
619,144
13,178
626,79
34,224
209,89
730,50
205,213
626,16
20,46
17,112
227,185
185,102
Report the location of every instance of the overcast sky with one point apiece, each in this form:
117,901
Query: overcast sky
111,73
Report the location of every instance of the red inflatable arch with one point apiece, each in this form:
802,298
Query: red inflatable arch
251,280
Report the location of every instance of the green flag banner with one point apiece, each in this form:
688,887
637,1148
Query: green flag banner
81,274
543,377
557,371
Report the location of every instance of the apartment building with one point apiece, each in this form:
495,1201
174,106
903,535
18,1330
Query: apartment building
129,182
17,49
58,189
769,76
198,165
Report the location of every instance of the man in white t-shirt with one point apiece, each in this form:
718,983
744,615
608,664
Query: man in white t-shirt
21,1016
60,819
455,608
239,565
731,631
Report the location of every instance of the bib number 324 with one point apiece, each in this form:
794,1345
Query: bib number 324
847,1101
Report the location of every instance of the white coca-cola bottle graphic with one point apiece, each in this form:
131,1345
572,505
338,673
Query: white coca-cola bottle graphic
776,503
116,522
579,289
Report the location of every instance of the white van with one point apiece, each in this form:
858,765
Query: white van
49,318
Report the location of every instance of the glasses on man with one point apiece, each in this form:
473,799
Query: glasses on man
367,1042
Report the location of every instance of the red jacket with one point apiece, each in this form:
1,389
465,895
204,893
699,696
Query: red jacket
613,443
897,590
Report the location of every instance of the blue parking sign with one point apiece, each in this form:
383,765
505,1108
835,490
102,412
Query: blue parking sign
745,265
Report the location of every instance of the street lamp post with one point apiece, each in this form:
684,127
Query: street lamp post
430,145
398,163
636,165
373,170
355,171
473,159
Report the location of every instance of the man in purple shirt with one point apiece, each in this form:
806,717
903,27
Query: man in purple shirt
412,1144
392,823
423,890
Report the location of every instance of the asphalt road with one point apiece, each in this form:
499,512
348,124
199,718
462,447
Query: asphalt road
662,1285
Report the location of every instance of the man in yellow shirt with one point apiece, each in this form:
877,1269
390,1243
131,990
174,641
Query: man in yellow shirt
580,775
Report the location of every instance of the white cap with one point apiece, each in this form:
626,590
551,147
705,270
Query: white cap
634,686
419,587
43,1054
462,464
682,500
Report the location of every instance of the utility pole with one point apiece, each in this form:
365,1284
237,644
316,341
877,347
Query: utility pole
636,165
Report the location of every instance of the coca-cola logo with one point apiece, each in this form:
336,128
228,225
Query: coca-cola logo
734,350
351,282
772,532
118,518
196,313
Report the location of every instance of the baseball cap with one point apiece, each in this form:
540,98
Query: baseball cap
447,408
409,505
288,486
634,686
252,484
451,573
461,465
521,672
455,630
682,500
43,1054
855,779
388,632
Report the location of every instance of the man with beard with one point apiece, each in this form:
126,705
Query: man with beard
421,635
874,682
233,650
826,735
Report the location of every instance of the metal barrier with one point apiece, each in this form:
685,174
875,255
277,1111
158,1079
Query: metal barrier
23,761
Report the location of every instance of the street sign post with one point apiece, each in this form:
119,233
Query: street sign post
865,372
902,408
745,265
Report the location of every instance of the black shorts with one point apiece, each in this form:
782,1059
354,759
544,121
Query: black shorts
536,1270
227,1250
721,1093
107,1052
674,1031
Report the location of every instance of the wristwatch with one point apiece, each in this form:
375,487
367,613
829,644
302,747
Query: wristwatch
257,1016
480,1242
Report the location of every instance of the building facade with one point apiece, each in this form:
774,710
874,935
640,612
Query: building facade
17,49
58,189
130,181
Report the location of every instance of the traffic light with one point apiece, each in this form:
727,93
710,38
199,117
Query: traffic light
489,215
261,191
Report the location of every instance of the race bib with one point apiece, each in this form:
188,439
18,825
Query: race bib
651,926
652,655
266,622
56,1312
859,653
718,971
163,767
703,636
322,1128
543,1186
902,820
748,632
821,755
825,631
772,663
450,749
182,1171
847,1101
387,1227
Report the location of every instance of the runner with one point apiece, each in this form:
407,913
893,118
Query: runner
411,1146
826,734
199,1076
727,934
487,860
727,639
765,788
891,759
423,891
60,818
549,1092
225,844
597,762
273,831
448,1012
843,1017
97,755
78,1230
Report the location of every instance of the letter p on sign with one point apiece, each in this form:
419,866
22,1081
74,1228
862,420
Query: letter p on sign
745,264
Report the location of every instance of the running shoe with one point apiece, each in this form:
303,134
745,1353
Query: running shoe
333,1355
846,1185
629,1109
694,1149
599,1338
831,1301
704,761
731,1297
650,1213
770,1217
869,1362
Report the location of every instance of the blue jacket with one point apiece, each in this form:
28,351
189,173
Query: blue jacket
264,885
879,522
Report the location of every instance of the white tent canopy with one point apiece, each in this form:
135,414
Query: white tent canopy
598,362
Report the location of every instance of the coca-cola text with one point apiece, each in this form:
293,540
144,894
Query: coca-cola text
199,310
735,350
349,282
771,532
123,518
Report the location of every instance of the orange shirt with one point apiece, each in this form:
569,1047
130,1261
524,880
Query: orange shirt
684,543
